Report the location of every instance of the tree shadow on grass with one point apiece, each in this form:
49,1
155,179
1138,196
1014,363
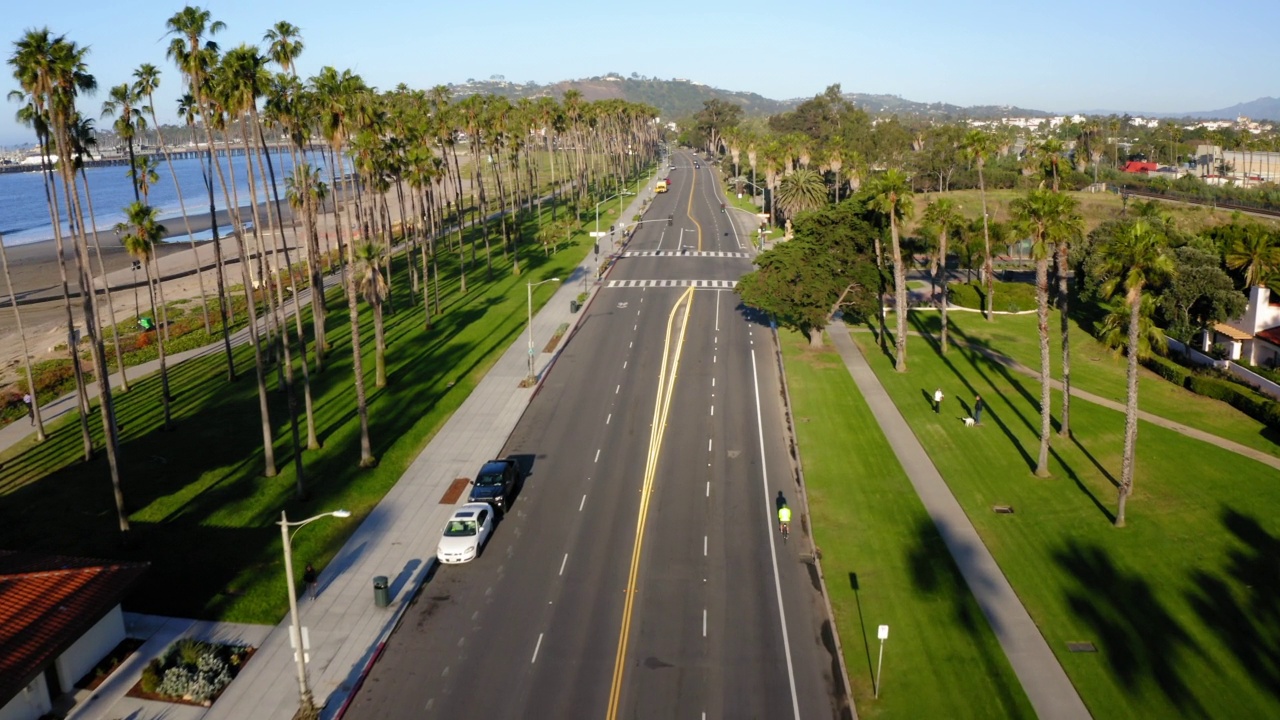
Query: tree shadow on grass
935,574
1242,605
1138,637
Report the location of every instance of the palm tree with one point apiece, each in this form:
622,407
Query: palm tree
284,45
978,145
146,81
1047,217
891,197
194,56
1256,252
1050,153
121,99
373,286
53,72
1133,258
139,233
802,190
943,218
1062,243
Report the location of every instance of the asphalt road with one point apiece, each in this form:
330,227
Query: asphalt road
638,574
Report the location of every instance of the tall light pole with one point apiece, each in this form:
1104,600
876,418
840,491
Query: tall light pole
307,705
530,287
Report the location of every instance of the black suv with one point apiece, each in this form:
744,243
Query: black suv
496,483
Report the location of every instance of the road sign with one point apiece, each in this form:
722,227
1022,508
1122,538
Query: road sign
763,216
594,233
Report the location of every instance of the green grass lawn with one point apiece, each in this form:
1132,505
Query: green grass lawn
1096,369
201,511
886,564
1182,604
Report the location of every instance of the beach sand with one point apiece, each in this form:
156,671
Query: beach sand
37,283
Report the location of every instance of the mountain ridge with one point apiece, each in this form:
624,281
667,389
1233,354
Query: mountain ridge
681,97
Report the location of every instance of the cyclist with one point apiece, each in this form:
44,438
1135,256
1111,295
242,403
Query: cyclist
784,519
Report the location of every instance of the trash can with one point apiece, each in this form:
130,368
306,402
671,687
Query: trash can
381,597
573,306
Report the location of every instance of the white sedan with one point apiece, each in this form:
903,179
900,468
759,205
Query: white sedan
465,533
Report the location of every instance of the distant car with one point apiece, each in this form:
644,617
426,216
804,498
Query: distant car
465,534
696,166
673,167
496,483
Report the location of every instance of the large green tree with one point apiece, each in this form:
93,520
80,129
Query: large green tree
714,118
1199,294
828,265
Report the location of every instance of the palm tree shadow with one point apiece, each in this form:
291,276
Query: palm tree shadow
971,390
1141,640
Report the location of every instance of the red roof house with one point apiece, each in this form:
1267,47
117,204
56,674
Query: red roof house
58,617
1135,166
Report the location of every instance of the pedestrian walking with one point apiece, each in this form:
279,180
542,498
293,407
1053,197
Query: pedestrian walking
937,401
31,407
977,409
309,579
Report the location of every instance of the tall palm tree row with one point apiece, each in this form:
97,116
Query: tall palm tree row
1047,218
53,72
451,164
891,197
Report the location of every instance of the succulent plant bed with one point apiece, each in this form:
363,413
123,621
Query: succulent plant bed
191,672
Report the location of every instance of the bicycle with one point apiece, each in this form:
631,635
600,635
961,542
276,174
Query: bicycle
785,529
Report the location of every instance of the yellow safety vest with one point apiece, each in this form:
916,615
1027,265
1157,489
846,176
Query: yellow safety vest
784,514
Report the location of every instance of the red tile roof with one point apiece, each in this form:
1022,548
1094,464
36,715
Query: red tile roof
1135,166
46,604
1271,335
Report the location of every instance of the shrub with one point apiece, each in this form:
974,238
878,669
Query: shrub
151,675
1167,369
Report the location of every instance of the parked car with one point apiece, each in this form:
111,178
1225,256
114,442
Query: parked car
465,534
496,483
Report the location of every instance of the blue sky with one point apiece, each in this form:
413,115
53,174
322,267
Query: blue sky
1135,55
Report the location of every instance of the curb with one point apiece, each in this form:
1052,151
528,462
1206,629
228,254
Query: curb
817,555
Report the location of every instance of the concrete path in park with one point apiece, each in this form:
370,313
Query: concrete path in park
397,540
1042,677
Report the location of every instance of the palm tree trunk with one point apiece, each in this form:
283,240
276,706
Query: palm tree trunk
82,396
1130,407
357,368
900,296
106,285
380,345
186,223
224,302
987,268
1042,314
97,350
1065,429
943,263
26,356
165,397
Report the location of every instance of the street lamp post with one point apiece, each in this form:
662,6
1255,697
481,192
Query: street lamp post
306,704
530,287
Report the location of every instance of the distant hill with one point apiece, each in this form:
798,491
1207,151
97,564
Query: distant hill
680,97
1266,108
673,98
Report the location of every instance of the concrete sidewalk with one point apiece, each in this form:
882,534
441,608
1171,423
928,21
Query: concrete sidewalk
397,540
1038,670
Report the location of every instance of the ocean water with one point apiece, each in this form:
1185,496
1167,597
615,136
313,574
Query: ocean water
24,211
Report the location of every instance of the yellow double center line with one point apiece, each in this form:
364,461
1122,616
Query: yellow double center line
661,406
693,186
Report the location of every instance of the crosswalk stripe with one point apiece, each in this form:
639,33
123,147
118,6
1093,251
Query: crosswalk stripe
679,253
705,284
